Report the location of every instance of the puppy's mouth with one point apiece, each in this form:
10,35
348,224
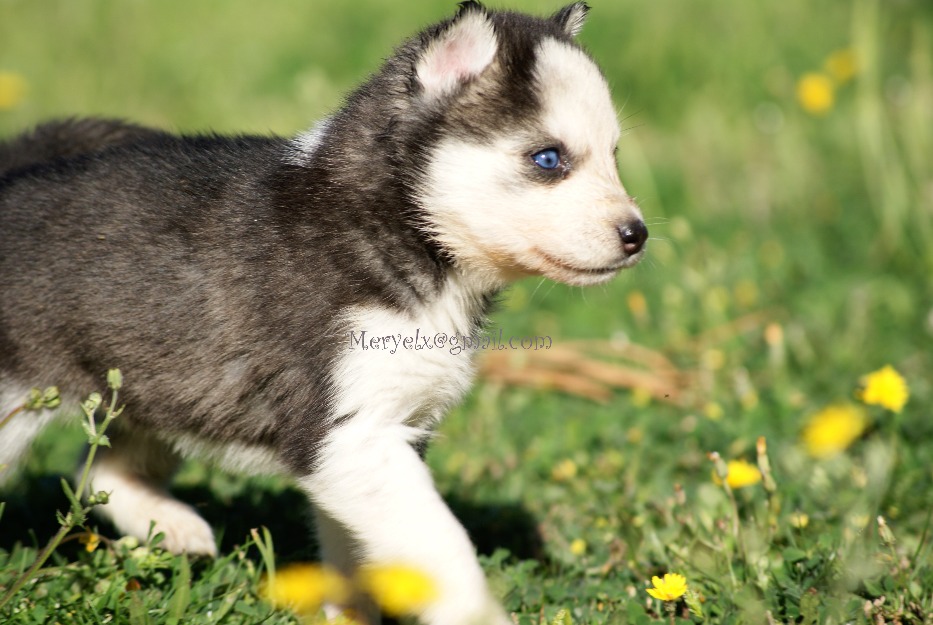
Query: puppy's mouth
570,273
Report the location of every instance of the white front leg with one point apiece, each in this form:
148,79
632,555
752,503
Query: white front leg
340,551
370,480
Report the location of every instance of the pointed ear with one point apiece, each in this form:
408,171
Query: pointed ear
571,18
459,53
470,5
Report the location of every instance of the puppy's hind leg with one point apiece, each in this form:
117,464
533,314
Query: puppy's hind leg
18,427
134,472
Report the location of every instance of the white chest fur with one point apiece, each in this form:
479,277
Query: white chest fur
406,368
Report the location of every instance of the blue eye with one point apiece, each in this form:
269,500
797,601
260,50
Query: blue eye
547,159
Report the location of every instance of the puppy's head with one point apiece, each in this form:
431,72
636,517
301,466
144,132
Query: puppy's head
520,176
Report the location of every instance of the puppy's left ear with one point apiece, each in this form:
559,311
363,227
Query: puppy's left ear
571,18
459,53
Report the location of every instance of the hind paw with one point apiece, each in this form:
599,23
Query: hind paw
141,511
183,529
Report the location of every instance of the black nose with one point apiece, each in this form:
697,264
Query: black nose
633,234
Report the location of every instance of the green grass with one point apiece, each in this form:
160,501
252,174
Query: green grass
759,211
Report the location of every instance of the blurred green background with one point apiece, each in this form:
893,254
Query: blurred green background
782,152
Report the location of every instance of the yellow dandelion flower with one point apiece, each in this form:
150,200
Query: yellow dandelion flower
641,397
671,588
305,588
749,400
799,520
884,387
399,590
842,65
713,359
741,473
816,93
637,304
564,470
578,547
90,540
833,429
859,521
12,90
713,411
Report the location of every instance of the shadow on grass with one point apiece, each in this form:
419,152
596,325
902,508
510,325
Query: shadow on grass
500,525
32,501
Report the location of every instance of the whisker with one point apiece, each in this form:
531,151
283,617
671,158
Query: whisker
532,297
624,104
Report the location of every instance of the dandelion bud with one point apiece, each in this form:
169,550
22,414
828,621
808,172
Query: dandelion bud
114,379
764,465
722,469
680,497
885,533
51,398
34,400
694,602
92,403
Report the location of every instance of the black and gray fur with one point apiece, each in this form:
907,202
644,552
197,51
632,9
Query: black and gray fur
188,261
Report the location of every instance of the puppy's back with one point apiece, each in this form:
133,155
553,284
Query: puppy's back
68,138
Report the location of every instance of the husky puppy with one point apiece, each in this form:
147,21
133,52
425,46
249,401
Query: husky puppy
230,279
